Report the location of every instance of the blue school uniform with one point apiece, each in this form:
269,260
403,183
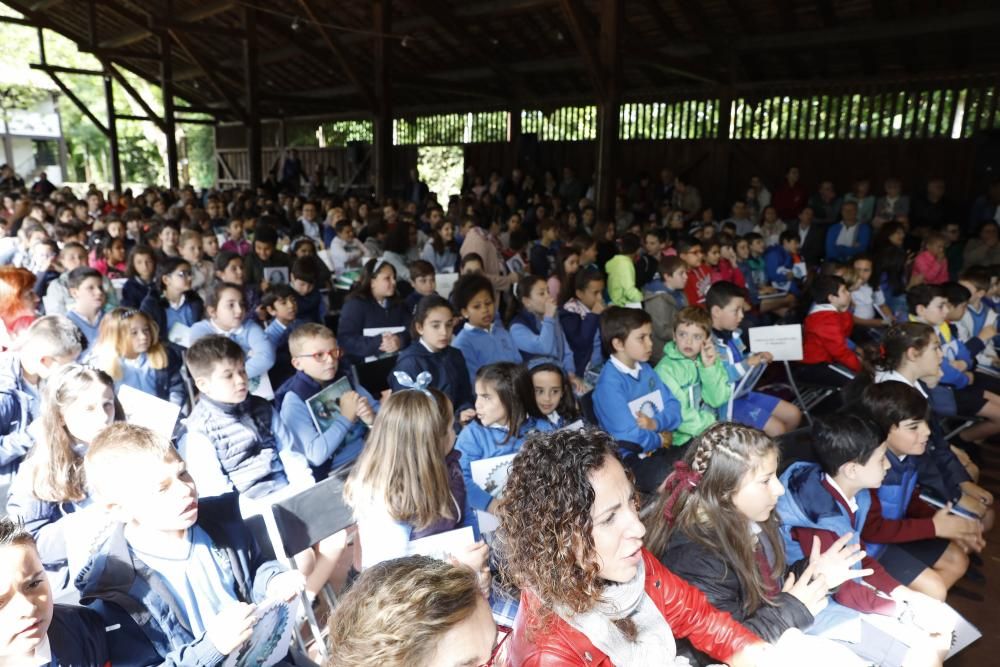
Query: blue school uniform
134,291
190,311
778,264
278,334
249,336
806,503
482,347
90,331
165,383
616,388
583,334
360,313
443,263
19,406
447,368
477,442
542,339
755,408
311,307
334,448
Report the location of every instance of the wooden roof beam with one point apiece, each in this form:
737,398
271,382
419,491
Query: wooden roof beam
153,116
181,21
339,55
234,105
575,14
873,31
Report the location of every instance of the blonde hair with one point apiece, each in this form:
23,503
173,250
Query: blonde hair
115,341
116,448
397,612
56,469
403,463
308,331
696,316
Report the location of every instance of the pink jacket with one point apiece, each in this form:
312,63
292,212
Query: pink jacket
934,270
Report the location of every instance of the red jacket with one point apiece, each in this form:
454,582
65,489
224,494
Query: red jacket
698,282
726,271
683,606
824,339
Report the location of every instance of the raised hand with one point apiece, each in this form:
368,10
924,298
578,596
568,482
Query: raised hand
836,564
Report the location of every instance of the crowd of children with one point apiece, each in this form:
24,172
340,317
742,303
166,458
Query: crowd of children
303,339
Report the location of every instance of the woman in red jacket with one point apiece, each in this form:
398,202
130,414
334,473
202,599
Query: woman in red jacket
591,595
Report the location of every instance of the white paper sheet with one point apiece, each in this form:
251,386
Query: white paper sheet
649,405
442,545
783,341
149,411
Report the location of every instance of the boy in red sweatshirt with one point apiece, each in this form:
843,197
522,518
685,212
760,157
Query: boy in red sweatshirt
699,277
826,335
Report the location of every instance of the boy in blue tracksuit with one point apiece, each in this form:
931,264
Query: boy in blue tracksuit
177,580
781,262
49,343
315,356
627,377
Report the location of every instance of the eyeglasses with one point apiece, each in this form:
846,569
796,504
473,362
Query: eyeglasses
319,357
504,633
182,274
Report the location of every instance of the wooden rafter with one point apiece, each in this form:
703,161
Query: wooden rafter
210,74
123,82
576,20
180,21
339,54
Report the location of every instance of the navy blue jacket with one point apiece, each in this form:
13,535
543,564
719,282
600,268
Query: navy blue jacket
126,592
76,638
133,292
580,332
155,305
360,313
447,367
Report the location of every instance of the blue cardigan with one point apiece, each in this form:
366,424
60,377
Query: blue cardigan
612,395
481,348
584,337
477,442
545,339
360,313
447,368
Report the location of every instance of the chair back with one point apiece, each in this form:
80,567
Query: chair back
312,515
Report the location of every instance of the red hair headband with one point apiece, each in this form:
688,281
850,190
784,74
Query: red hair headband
683,477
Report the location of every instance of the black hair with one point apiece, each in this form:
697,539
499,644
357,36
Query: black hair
81,273
130,271
276,293
510,382
467,287
398,240
617,323
753,236
922,295
167,266
265,234
341,226
222,259
304,269
568,408
630,244
522,289
363,288
686,244
584,277
420,268
208,351
826,286
425,306
469,257
787,235
892,403
956,293
518,239
844,437
721,294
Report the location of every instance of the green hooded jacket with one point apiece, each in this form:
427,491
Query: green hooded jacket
694,386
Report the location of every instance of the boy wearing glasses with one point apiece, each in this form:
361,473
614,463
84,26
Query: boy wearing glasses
316,359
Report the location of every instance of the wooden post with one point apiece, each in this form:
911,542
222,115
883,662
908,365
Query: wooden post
608,107
169,124
514,136
382,13
250,74
116,166
723,142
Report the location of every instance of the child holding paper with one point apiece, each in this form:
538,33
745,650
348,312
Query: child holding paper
725,303
826,335
371,311
173,303
178,580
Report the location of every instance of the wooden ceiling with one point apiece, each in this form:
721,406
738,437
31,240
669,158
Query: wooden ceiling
317,57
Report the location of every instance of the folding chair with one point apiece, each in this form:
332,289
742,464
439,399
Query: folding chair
812,396
303,520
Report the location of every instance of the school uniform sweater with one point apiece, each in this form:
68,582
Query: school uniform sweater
90,331
542,339
338,445
616,388
582,329
19,406
444,262
835,252
481,347
134,291
477,442
824,337
190,311
165,383
249,336
448,371
360,313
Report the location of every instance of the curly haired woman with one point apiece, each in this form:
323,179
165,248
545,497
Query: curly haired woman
591,594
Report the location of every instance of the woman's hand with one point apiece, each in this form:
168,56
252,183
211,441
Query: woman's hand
836,563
